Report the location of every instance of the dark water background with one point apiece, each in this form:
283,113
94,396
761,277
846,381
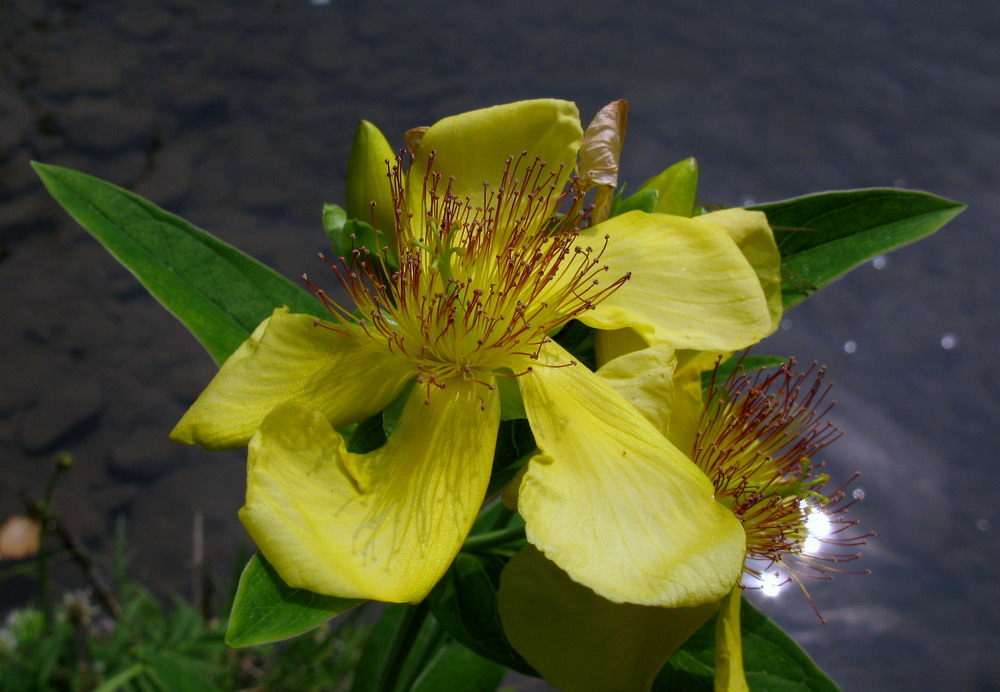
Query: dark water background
239,117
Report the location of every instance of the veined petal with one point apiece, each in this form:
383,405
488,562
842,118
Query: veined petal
691,287
613,503
384,525
581,642
289,359
755,239
643,378
473,146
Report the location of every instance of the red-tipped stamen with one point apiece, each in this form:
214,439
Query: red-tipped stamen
756,440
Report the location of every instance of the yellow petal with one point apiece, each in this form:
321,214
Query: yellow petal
613,503
474,146
755,239
643,378
289,359
581,642
688,402
691,287
611,343
384,525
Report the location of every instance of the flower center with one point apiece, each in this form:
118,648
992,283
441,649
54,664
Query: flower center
756,441
480,284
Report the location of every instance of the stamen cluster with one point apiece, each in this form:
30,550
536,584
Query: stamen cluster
756,441
479,284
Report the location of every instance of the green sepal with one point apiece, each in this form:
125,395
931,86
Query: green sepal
677,187
644,201
825,235
178,672
353,235
368,167
772,661
215,290
266,609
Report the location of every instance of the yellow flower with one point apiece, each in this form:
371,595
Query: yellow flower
486,272
755,438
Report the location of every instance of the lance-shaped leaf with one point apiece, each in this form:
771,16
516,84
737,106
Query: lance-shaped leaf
465,602
266,609
218,292
823,236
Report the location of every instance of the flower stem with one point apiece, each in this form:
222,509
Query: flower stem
729,675
401,645
44,511
484,541
433,635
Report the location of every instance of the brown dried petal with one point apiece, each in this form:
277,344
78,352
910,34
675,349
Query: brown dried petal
600,153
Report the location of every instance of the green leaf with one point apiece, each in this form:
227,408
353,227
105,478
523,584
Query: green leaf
515,445
465,602
772,660
823,236
578,339
394,411
266,609
177,673
380,647
376,648
218,292
118,680
368,436
457,669
511,404
745,362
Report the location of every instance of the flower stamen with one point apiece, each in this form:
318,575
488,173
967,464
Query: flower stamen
756,440
478,288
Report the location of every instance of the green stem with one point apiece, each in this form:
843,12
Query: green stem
503,518
433,635
401,645
44,509
484,541
729,675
